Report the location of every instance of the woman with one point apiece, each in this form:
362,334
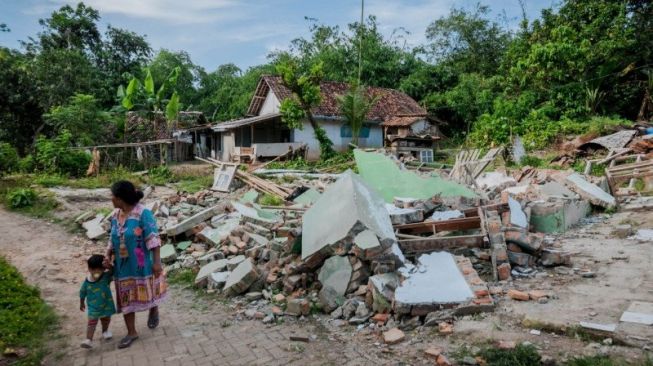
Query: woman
134,245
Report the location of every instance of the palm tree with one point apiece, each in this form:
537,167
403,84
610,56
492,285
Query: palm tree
354,106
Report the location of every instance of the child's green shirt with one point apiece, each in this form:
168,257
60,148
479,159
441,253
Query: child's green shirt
99,301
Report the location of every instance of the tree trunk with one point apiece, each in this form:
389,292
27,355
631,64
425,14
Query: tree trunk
326,145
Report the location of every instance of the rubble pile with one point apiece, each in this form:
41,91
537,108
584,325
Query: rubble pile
389,248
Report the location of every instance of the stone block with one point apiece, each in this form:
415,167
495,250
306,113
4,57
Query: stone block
241,278
201,279
298,307
393,336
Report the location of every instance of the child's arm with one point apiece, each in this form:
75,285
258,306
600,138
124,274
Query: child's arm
82,297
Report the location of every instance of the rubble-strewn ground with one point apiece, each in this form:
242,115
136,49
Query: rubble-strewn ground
199,329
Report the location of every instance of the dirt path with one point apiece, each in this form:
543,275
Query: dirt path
191,333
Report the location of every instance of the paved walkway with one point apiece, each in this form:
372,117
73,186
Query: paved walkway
195,329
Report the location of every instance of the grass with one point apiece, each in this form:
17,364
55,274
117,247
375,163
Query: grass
337,164
185,277
270,200
26,321
195,184
521,355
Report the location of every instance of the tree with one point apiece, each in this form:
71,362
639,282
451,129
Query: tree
467,40
354,106
84,116
141,95
69,28
305,87
188,73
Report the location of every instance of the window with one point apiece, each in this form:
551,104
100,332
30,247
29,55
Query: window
426,156
345,131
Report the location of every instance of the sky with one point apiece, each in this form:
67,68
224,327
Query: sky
244,32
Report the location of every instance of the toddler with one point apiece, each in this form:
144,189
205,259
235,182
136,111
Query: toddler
95,297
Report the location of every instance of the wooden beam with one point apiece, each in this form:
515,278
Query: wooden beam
426,245
466,223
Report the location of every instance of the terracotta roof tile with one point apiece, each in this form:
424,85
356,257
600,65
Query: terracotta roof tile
391,103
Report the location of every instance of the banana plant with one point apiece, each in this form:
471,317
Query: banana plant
141,95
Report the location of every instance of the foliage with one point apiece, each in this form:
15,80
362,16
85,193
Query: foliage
84,116
354,106
183,277
50,180
195,184
25,319
140,95
26,164
270,200
519,356
21,197
56,156
159,175
338,163
8,158
305,86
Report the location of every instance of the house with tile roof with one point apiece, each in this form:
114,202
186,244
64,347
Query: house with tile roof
262,134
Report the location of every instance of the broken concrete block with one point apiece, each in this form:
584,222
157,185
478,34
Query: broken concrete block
193,221
530,242
258,229
590,191
557,216
347,208
383,288
367,245
521,259
517,215
216,280
308,198
94,228
241,278
168,253
258,216
255,240
201,279
329,299
447,215
210,257
83,217
553,257
298,307
336,273
437,281
393,336
235,261
402,216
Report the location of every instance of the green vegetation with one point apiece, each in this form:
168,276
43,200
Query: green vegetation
26,321
21,197
519,356
270,200
338,163
185,277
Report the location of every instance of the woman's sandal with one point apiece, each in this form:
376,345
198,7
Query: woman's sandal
153,320
126,342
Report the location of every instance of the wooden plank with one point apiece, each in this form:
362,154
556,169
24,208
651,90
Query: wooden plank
426,245
466,223
631,166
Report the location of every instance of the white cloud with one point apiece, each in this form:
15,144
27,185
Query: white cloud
168,11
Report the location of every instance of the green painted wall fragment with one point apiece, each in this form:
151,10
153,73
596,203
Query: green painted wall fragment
384,175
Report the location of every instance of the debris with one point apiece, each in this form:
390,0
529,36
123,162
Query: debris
94,228
518,150
601,327
393,336
254,215
437,281
623,231
308,198
222,177
518,295
336,273
638,312
611,142
168,253
400,216
193,221
643,235
447,215
298,307
384,175
433,352
445,328
201,280
517,215
217,280
589,191
241,278
349,207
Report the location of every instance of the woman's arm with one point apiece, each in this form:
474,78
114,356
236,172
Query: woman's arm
156,262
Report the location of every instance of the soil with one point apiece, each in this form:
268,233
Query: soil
54,260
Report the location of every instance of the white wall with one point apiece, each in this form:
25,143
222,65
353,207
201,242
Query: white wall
270,105
332,129
228,143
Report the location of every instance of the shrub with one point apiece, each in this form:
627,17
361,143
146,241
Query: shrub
56,156
21,197
50,180
270,200
159,175
8,158
26,164
519,356
25,318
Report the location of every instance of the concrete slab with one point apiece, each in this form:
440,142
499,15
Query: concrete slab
258,216
217,280
347,208
94,228
249,196
555,190
384,175
168,253
203,275
402,216
491,181
336,273
638,312
447,215
241,278
308,198
193,221
517,215
437,280
589,191
643,235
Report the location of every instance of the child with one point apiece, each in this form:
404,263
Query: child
95,290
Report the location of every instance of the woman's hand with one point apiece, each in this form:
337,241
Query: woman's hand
157,269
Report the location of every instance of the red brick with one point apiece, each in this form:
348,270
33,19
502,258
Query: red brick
445,328
443,361
481,292
380,318
503,271
483,301
433,352
518,295
537,294
514,248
